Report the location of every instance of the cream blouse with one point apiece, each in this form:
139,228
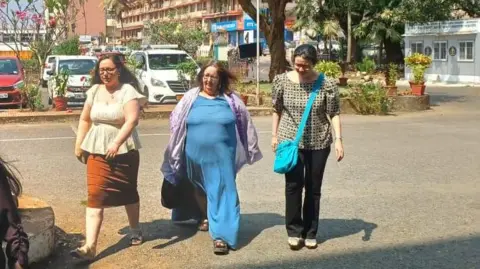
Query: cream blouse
107,120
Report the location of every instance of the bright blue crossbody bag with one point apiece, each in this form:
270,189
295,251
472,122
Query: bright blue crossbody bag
286,155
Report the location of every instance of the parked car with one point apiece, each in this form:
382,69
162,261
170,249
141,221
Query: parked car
12,76
47,67
79,68
157,74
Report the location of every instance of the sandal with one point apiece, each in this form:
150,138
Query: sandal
203,226
83,253
295,243
220,247
136,237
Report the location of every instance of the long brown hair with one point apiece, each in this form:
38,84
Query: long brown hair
126,76
7,174
225,77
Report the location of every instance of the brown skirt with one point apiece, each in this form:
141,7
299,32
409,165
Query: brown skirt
112,182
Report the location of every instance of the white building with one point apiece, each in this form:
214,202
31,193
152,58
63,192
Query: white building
453,45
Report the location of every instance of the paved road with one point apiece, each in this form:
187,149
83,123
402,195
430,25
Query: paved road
406,196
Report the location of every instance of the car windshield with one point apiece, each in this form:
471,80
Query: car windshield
77,66
8,66
167,61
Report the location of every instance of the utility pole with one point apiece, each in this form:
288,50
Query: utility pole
349,36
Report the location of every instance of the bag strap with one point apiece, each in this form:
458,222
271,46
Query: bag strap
316,89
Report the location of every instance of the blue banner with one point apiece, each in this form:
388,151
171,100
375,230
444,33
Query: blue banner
228,26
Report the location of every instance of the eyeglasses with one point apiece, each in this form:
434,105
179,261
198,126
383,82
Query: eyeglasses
210,78
107,70
305,67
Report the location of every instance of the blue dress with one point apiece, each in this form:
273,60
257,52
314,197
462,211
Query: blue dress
210,150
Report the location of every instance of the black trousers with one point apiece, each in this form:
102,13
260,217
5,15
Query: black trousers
307,173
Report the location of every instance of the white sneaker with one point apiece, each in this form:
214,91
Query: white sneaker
311,243
295,243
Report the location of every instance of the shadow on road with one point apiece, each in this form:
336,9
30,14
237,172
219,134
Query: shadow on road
454,253
437,98
60,258
252,225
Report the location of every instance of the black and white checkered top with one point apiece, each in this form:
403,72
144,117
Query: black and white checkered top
290,98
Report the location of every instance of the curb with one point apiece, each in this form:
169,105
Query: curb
38,220
440,84
74,116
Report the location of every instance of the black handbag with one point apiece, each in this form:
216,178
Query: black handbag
175,196
170,195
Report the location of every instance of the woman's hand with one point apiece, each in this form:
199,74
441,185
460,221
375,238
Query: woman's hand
339,149
274,143
112,150
78,151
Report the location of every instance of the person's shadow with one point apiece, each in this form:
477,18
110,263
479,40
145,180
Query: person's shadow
335,228
250,228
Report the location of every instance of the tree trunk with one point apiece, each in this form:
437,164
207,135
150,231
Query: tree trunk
380,53
277,47
273,31
393,51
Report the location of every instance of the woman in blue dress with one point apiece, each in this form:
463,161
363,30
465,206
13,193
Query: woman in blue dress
218,134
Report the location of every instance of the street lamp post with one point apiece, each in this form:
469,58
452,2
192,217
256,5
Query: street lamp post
258,53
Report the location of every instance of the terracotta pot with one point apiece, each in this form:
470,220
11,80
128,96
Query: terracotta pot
343,81
60,103
417,89
244,98
391,90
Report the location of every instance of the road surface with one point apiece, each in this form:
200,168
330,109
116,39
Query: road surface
406,196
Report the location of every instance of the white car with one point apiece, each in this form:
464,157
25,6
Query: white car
79,68
47,67
157,74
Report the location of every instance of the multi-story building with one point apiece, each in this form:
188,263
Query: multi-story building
90,19
226,19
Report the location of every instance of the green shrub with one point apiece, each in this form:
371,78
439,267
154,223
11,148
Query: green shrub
367,65
33,96
201,61
187,71
330,69
369,98
70,46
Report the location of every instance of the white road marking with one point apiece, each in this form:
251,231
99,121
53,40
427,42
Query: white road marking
72,137
74,129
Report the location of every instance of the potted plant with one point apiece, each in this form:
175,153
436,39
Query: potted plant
60,90
391,79
419,64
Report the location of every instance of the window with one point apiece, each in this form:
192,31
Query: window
440,50
192,8
466,51
8,67
166,61
77,66
417,47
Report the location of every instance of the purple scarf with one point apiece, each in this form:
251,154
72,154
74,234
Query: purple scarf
247,151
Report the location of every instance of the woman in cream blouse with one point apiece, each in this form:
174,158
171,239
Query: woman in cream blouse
106,132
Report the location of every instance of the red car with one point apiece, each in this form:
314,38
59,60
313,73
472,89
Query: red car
11,80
